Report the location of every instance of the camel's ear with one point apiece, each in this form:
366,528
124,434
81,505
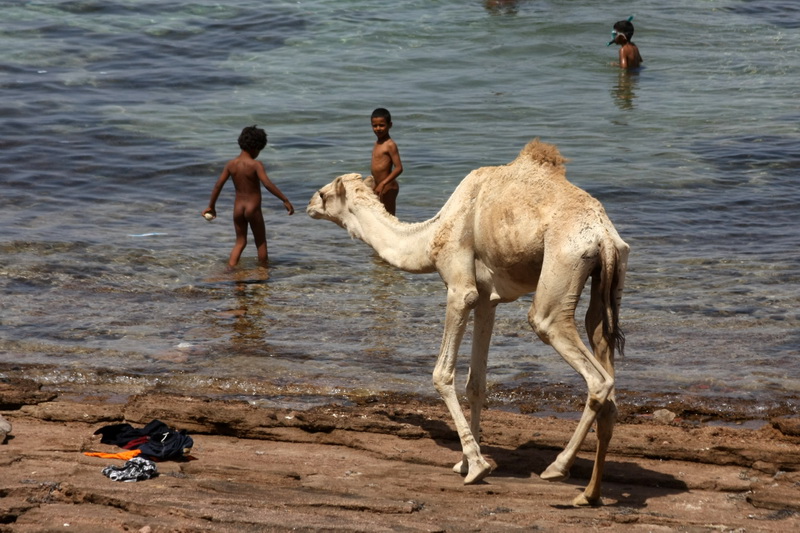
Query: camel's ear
338,186
369,181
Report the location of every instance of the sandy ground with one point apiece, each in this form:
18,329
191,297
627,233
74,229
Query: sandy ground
384,465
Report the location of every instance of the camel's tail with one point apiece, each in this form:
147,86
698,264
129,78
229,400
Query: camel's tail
614,260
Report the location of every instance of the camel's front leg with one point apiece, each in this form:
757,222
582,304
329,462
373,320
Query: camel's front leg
458,308
476,381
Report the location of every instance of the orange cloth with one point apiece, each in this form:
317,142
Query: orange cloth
129,454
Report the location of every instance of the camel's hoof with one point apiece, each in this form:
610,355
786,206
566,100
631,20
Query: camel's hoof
553,473
582,501
477,472
462,468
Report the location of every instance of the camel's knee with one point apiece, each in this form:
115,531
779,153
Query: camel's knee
550,329
599,393
462,292
471,298
442,380
542,325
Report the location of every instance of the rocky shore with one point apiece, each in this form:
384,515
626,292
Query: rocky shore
382,465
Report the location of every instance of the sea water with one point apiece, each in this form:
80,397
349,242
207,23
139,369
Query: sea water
117,118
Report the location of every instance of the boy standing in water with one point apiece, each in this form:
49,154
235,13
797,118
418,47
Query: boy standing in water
622,33
248,175
386,164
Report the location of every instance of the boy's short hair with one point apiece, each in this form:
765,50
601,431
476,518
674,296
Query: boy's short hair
625,27
382,113
252,139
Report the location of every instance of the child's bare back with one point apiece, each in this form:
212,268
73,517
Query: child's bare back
247,175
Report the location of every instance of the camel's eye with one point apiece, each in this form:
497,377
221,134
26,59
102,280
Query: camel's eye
322,197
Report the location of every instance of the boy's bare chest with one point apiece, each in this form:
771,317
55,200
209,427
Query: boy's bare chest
381,157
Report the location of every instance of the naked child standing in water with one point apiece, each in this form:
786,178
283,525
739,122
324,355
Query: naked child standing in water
386,164
248,176
629,57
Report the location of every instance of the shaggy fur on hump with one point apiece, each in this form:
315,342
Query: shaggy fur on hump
546,154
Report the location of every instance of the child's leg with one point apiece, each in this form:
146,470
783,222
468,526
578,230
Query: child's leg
240,224
259,236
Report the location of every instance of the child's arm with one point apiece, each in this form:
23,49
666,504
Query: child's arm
226,173
271,187
397,167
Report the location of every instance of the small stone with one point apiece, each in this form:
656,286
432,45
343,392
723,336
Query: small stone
663,416
5,428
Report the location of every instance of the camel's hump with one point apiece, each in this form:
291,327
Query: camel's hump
546,154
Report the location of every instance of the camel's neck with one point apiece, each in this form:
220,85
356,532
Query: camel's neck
400,244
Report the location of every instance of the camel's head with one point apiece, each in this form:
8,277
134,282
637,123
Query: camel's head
335,200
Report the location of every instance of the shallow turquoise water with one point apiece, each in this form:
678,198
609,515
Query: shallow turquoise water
118,117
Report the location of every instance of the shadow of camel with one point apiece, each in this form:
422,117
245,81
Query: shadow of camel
437,430
626,483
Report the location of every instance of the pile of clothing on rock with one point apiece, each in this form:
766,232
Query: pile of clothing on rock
154,442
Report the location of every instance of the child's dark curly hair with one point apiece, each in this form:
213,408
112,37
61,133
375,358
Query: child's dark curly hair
252,139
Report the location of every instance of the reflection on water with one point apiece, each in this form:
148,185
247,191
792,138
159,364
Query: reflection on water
502,7
624,91
251,295
385,308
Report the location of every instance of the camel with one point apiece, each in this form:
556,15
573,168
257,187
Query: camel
505,232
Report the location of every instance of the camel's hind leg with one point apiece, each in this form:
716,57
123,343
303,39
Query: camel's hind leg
603,345
483,318
552,316
604,352
459,303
